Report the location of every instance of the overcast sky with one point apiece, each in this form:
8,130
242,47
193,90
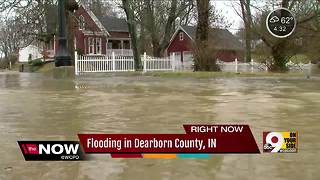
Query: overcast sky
229,8
226,7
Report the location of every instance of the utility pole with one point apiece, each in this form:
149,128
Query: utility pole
62,57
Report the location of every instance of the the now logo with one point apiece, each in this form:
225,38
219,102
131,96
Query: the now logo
52,150
58,149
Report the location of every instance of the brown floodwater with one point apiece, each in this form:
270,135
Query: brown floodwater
39,107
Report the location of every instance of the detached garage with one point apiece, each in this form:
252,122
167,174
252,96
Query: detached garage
228,46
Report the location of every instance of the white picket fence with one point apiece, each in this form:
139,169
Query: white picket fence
88,64
158,64
236,66
115,63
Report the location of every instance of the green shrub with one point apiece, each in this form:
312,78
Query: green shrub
300,58
37,62
79,51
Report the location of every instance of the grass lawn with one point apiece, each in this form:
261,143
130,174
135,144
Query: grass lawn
49,67
223,74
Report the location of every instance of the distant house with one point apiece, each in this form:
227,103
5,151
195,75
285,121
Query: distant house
227,45
30,52
96,36
101,35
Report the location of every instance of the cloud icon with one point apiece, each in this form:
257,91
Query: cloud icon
274,19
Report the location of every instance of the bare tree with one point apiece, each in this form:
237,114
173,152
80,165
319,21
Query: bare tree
204,54
128,8
100,8
71,21
20,30
12,38
247,19
203,21
160,20
156,21
35,17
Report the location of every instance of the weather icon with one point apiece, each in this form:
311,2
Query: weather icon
274,19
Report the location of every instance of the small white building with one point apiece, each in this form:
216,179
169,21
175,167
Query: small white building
30,51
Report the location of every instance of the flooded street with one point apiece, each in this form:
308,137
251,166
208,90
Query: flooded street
36,107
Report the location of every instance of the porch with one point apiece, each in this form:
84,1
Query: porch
120,47
120,52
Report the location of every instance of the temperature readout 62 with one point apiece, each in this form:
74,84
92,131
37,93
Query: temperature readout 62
281,23
283,20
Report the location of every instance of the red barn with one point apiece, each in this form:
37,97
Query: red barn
227,45
101,35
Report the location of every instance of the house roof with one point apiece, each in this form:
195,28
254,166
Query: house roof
113,24
108,24
95,19
222,38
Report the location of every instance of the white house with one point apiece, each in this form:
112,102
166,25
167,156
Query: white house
30,51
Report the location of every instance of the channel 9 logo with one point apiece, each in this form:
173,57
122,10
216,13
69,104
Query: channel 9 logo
280,142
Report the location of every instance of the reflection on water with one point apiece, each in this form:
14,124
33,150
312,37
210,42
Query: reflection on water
37,107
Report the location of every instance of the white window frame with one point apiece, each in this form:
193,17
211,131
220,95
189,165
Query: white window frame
98,43
82,23
91,45
181,36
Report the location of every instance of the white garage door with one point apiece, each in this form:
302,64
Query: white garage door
178,63
187,59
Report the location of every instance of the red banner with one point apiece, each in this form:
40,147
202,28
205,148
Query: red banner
198,139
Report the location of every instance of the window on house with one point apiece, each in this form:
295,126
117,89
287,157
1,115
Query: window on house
81,23
91,45
98,45
110,45
181,36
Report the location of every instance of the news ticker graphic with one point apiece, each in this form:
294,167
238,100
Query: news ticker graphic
280,142
199,141
52,150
